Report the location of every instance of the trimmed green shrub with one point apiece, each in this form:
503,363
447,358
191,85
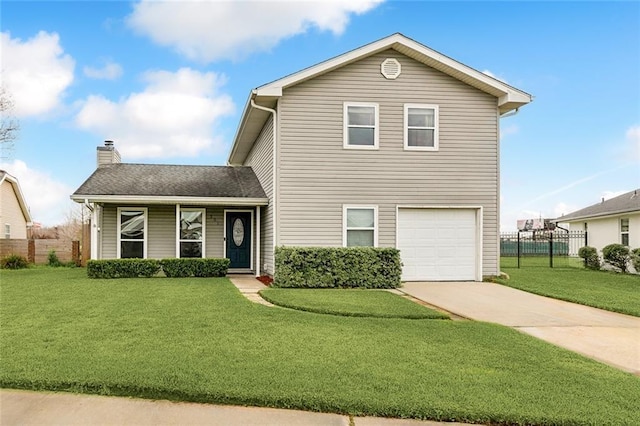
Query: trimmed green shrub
195,267
343,267
635,259
122,268
13,261
590,256
617,256
53,259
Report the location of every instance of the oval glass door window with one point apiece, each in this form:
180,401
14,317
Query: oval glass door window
238,232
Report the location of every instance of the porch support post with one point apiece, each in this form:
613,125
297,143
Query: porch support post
257,241
178,230
94,232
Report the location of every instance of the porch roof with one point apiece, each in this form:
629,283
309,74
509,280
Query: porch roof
160,183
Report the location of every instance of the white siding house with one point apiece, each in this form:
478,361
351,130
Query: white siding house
616,220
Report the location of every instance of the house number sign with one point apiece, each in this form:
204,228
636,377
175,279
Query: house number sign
238,232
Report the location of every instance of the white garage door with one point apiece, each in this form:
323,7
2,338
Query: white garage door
438,244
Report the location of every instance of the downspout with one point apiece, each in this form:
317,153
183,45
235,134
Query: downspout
274,169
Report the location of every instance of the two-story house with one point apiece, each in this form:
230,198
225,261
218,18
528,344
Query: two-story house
392,145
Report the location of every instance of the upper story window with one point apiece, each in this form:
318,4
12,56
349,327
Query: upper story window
624,232
360,227
132,233
361,125
191,232
421,127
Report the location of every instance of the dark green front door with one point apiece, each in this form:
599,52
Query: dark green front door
238,239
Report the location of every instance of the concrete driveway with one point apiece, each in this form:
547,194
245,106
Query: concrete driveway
602,335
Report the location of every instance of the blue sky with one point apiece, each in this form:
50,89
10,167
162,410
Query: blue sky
168,82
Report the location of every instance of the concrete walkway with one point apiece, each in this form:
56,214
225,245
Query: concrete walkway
608,337
47,408
249,286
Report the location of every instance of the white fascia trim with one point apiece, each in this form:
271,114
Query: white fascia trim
610,215
275,87
241,126
149,199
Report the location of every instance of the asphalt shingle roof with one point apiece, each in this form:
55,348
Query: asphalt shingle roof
625,203
172,180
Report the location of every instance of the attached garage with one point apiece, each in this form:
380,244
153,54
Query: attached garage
440,244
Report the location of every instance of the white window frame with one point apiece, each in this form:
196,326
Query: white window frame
179,210
7,231
345,228
145,214
624,232
346,126
436,132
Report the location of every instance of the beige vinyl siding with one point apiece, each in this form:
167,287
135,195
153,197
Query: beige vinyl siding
317,176
261,161
161,231
11,213
109,232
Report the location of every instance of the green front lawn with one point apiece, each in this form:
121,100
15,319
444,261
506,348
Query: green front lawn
200,340
606,290
350,302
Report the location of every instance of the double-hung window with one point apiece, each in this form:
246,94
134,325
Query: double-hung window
7,231
360,226
624,232
421,127
191,232
132,233
360,125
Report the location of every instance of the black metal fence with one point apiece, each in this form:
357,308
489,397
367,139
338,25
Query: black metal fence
558,248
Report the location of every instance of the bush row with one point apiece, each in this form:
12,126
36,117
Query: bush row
344,267
172,268
616,255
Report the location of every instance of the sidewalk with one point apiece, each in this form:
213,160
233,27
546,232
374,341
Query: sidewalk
23,408
605,336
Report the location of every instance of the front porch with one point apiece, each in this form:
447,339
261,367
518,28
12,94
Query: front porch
160,231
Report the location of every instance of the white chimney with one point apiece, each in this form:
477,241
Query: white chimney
107,154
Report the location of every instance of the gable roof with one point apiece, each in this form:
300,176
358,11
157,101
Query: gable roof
160,183
4,176
625,203
253,119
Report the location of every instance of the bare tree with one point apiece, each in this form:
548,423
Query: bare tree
9,125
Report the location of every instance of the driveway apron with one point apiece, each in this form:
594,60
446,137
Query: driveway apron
608,337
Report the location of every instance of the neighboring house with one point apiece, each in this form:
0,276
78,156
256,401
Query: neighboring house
391,145
15,218
616,220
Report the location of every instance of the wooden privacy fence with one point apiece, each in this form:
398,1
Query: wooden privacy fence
37,251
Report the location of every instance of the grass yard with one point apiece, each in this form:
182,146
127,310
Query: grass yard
200,340
350,302
606,290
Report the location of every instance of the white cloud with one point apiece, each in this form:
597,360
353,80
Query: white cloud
35,72
509,130
110,71
607,195
209,30
47,199
174,116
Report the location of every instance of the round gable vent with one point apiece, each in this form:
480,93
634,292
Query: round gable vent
390,68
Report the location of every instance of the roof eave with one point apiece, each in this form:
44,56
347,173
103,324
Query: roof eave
21,200
156,199
602,215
